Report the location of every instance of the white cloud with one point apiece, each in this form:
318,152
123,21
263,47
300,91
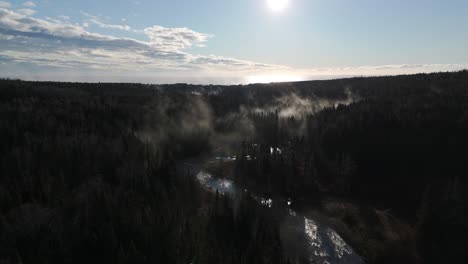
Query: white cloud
109,26
25,24
52,20
26,11
174,39
29,4
92,19
61,44
4,4
61,50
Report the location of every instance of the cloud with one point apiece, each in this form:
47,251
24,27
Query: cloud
26,11
161,38
29,4
4,4
91,19
61,44
213,61
34,48
174,38
110,26
18,23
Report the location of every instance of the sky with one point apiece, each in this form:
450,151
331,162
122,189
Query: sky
229,41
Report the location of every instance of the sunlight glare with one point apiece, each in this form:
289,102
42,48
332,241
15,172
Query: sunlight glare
277,5
273,78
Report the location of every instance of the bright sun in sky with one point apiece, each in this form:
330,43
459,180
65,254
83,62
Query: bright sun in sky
278,5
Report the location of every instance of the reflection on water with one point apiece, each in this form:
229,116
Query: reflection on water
223,186
266,202
274,150
341,248
233,158
327,245
311,230
324,245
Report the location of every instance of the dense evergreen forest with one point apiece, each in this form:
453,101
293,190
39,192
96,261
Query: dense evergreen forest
92,172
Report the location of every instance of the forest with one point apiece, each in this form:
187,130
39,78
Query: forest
95,172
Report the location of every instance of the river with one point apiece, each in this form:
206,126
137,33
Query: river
320,243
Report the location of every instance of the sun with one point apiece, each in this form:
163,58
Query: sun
277,5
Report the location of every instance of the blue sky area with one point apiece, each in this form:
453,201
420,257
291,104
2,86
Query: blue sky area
229,41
